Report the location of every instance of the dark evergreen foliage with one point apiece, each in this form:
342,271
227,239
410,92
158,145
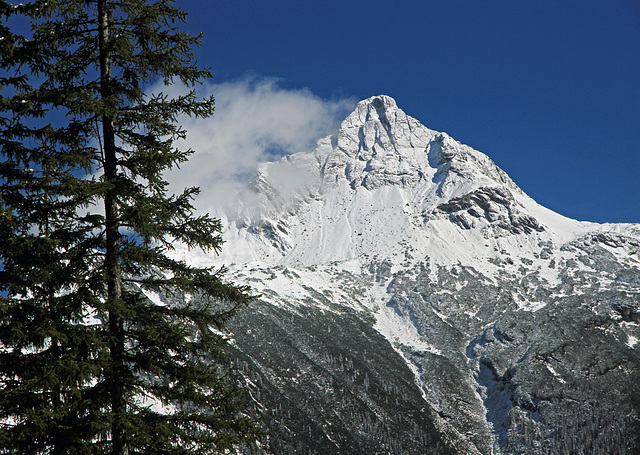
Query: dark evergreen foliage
327,383
89,364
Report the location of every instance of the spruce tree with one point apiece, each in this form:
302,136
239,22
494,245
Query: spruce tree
88,362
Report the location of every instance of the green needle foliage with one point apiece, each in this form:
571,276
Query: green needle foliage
88,363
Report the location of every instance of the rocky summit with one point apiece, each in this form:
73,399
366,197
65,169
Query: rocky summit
414,300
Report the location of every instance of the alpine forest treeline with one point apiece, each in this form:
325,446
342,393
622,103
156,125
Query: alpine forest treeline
88,363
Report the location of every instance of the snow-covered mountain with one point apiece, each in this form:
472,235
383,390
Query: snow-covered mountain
413,299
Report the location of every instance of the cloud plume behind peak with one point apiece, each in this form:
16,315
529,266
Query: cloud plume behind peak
255,120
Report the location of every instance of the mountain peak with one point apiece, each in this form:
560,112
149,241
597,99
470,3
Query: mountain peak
380,110
384,179
377,144
490,304
377,107
393,251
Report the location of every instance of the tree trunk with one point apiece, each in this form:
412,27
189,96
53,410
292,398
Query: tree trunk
112,261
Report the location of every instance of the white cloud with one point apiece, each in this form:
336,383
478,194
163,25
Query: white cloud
255,120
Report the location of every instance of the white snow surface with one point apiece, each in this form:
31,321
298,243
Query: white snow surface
375,191
372,190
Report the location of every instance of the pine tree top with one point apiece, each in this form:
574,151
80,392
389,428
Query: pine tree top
90,363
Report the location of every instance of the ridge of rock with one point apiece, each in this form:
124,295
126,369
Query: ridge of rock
378,144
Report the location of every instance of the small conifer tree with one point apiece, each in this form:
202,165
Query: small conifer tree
88,362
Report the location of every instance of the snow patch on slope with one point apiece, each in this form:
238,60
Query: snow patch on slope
396,328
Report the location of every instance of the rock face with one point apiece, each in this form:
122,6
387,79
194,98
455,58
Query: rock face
414,300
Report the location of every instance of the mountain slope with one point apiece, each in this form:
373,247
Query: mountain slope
413,299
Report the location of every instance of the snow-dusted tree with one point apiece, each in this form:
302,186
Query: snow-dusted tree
88,363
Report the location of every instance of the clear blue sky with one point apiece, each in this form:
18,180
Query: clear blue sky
550,90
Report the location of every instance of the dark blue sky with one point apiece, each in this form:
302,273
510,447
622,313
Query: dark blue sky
550,90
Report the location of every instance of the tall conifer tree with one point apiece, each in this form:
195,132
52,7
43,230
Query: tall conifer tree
88,363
